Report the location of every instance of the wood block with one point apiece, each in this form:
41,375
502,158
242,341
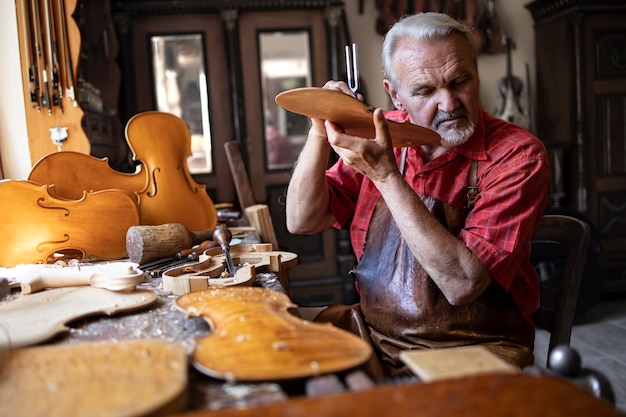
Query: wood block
259,217
435,364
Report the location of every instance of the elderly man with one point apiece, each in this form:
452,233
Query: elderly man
442,232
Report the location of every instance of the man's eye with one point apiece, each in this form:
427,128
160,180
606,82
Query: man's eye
423,92
461,81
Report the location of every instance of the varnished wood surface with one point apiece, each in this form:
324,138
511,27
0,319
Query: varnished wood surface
352,115
72,173
37,224
255,338
519,395
162,143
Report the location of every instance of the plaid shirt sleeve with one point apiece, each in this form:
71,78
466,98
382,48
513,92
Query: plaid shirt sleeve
513,191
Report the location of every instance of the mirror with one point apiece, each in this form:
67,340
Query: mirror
285,64
180,87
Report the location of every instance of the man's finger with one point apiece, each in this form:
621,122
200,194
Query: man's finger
380,123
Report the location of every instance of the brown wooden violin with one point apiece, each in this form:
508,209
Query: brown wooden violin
162,143
40,227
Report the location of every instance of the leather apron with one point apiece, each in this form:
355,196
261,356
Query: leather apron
403,308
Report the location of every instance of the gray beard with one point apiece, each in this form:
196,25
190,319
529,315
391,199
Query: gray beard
455,137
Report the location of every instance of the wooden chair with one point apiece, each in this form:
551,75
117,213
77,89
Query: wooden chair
556,314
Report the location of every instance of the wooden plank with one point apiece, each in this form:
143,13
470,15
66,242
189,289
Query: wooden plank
435,364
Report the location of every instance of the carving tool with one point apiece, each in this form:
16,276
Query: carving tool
157,271
222,236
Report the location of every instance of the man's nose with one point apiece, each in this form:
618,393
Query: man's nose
447,100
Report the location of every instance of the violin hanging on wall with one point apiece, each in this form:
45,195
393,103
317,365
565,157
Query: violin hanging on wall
510,88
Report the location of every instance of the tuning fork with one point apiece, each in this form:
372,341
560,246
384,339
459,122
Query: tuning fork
352,67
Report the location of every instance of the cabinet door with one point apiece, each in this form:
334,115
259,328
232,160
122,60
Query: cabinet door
603,101
180,67
280,51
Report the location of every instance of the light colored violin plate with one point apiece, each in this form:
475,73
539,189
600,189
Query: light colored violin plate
34,318
255,338
114,276
124,378
352,115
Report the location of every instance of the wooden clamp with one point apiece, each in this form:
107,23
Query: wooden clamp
211,270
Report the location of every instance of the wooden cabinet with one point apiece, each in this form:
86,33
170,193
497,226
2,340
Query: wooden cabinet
580,51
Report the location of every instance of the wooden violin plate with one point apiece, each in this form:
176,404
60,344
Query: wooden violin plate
255,338
35,318
122,378
354,116
113,276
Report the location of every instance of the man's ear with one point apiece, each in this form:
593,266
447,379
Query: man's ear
393,94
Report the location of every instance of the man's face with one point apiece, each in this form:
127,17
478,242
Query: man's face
438,86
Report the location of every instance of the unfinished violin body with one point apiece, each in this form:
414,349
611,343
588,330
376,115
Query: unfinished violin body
162,185
72,173
39,225
162,143
255,338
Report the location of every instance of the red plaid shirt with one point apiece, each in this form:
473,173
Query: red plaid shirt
513,178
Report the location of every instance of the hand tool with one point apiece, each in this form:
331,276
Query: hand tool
186,254
147,243
158,271
222,236
198,249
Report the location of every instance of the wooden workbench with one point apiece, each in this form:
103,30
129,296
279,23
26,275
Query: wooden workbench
488,395
511,395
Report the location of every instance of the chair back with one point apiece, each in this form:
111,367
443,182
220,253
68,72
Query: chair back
557,316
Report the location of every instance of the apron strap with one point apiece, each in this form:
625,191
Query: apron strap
472,188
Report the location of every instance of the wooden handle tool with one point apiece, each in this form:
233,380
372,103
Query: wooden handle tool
146,243
222,236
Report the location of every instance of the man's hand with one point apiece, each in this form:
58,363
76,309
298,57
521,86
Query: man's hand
373,158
